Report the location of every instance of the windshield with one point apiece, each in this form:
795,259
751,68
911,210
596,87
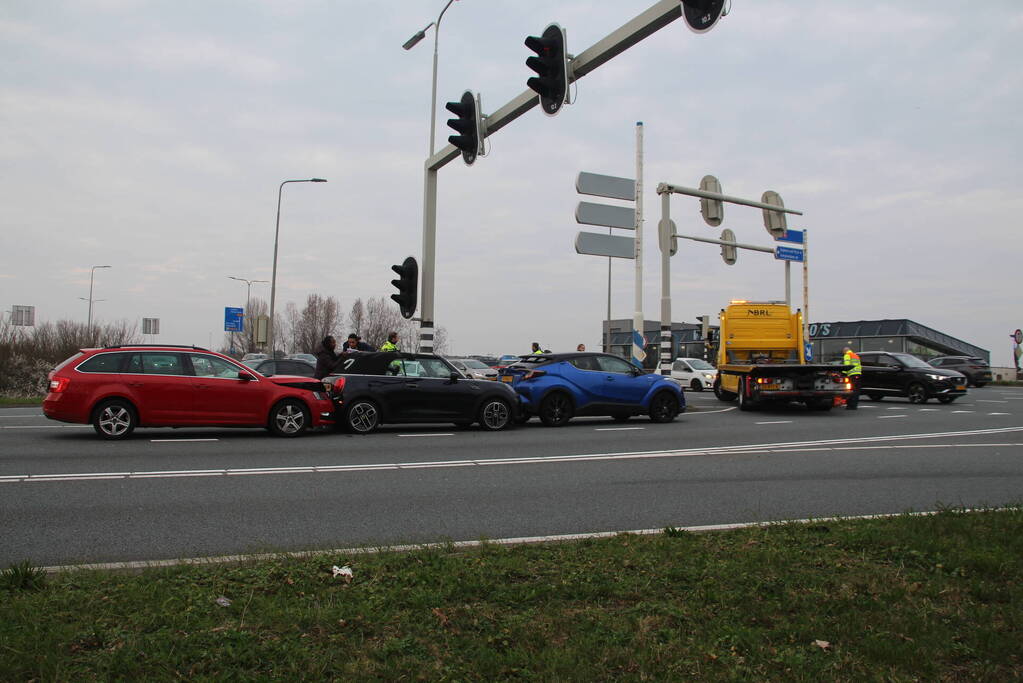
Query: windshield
912,361
700,364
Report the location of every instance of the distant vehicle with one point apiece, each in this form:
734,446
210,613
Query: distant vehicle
254,356
373,388
119,388
304,356
695,373
902,374
560,386
506,360
470,367
976,370
284,366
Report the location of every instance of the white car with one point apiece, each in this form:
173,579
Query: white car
694,373
474,369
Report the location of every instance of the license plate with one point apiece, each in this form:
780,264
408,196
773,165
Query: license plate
507,378
961,387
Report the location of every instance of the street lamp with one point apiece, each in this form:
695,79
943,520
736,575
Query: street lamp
430,198
248,290
92,275
273,278
409,44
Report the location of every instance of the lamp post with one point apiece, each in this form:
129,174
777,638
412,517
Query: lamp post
273,278
92,276
245,317
429,200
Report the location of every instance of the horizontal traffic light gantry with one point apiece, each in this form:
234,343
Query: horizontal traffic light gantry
408,286
468,125
551,66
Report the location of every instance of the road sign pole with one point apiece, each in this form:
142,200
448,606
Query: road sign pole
637,317
666,341
806,286
788,284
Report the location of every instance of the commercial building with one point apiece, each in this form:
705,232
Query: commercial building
828,339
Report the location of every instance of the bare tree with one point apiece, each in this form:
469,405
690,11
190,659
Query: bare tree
382,318
357,316
320,317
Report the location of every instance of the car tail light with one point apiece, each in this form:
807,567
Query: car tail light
533,374
58,384
336,386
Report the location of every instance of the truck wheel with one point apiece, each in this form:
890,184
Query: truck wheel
663,407
696,385
917,393
556,409
721,394
823,404
744,401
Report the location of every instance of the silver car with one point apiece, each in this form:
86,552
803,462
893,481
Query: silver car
474,369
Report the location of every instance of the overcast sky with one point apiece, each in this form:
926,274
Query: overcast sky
153,136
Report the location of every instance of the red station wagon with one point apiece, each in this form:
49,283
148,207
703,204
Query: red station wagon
119,388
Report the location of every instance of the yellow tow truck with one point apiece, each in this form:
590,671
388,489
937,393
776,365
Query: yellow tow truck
761,358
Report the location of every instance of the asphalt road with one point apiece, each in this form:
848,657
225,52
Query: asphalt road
68,498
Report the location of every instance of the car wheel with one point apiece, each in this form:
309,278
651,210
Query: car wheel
289,418
362,417
875,397
114,420
696,385
722,394
663,407
979,384
946,399
916,393
495,415
556,409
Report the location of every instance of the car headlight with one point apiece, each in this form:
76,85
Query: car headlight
936,378
709,376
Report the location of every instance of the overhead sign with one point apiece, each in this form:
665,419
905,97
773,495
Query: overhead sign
606,215
794,236
595,244
234,319
605,186
788,254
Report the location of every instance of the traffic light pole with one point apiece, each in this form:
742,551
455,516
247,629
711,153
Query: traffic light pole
643,25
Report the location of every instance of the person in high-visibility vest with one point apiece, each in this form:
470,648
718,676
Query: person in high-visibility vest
850,357
391,344
536,348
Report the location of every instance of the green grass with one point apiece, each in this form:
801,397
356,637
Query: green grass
22,401
906,598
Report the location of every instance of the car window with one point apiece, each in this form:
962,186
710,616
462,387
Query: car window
134,364
103,362
211,366
585,363
937,362
616,365
435,367
698,364
162,364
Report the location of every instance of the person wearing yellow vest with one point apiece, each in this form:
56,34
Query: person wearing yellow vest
536,348
391,344
850,357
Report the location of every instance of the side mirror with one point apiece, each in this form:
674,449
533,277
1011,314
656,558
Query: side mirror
245,377
455,376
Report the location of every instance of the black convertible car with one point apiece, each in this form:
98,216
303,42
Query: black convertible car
370,389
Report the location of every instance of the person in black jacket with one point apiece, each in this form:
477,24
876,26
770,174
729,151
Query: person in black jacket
355,343
326,357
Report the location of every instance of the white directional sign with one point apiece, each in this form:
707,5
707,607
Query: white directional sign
595,244
606,215
605,186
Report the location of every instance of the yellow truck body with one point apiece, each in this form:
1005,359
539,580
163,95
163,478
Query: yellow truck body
761,358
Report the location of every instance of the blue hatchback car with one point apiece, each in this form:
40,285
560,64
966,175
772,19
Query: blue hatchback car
560,386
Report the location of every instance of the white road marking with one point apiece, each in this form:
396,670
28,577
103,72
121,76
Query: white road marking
989,400
616,429
898,408
999,413
887,417
179,440
929,410
432,434
962,411
753,449
776,422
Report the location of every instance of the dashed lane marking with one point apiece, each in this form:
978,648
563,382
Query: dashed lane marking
179,440
432,434
616,429
776,422
888,417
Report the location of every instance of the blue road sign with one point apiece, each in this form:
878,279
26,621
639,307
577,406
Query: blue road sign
808,351
234,319
794,236
788,254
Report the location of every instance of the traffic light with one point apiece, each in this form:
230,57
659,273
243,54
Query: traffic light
728,251
774,221
469,126
713,210
701,15
408,286
551,67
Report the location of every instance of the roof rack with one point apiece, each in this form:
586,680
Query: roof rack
169,346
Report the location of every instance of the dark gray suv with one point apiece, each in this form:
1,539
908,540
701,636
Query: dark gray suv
977,371
901,374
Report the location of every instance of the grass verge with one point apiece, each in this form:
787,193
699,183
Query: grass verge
21,401
904,598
